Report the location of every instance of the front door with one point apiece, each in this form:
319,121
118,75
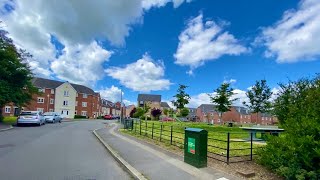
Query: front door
64,113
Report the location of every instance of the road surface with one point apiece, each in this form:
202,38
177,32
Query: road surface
56,151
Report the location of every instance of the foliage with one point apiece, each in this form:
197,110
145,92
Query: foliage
222,99
80,117
166,112
259,97
156,113
139,112
184,112
296,155
15,76
134,110
182,98
10,120
144,117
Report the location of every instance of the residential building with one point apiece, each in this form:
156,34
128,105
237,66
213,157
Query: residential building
192,116
129,109
152,100
63,97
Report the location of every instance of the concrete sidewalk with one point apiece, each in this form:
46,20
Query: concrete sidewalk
4,127
153,163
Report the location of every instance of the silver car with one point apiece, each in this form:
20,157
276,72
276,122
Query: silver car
31,117
52,117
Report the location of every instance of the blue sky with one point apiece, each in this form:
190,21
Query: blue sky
152,46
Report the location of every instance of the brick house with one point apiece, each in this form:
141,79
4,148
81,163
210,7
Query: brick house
152,100
128,110
62,97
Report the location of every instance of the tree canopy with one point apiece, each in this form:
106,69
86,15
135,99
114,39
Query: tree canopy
182,98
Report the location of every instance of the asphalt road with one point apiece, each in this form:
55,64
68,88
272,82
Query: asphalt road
56,151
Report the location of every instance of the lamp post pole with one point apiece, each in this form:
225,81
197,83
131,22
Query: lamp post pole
48,103
120,104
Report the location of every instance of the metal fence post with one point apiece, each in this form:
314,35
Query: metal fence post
152,130
145,132
251,146
228,148
140,127
160,132
171,136
135,127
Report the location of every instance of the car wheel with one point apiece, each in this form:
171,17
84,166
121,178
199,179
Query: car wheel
53,121
17,124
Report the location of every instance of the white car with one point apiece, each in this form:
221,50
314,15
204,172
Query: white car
31,117
52,117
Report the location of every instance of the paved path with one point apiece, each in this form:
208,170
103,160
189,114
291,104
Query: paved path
152,163
56,151
4,127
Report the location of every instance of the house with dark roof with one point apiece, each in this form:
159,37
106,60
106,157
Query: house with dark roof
152,100
65,98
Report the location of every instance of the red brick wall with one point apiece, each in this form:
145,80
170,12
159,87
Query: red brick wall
33,104
93,105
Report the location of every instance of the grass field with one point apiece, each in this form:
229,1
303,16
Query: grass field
217,136
10,120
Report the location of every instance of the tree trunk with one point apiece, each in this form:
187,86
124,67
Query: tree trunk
1,117
220,117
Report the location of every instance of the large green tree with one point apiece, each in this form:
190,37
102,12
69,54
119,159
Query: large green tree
181,98
259,98
222,98
296,154
15,76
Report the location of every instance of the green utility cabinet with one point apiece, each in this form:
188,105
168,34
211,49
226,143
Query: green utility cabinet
195,147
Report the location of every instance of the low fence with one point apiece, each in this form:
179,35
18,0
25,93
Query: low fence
222,146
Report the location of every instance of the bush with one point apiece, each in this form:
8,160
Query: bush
80,117
144,118
139,112
156,113
184,112
296,154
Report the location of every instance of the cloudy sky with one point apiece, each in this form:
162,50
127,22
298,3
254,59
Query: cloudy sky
152,46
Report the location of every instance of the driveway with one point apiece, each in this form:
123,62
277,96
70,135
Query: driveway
56,151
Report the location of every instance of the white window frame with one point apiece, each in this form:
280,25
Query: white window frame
52,91
51,101
41,90
40,109
83,113
76,103
84,95
66,93
65,103
84,104
7,109
39,100
76,94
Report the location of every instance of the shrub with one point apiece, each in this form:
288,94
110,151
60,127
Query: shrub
296,154
156,113
184,112
134,110
144,118
139,112
80,117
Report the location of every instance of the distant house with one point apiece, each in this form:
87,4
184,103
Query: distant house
152,100
164,105
192,116
129,109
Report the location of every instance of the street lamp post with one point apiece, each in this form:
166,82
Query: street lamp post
48,103
121,104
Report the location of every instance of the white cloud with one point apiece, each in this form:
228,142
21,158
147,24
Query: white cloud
203,98
296,36
113,94
143,75
81,63
230,81
205,41
147,4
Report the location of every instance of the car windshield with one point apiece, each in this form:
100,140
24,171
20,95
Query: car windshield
48,114
28,113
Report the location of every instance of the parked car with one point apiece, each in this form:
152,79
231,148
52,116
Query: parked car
31,117
52,117
108,117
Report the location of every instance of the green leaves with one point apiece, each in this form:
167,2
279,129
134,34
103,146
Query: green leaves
223,98
182,98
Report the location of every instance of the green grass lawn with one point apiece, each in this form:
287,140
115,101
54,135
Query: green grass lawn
217,135
10,120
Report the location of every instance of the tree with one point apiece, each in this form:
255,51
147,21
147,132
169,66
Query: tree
156,113
166,112
134,110
15,77
182,98
259,98
139,112
184,112
222,99
296,155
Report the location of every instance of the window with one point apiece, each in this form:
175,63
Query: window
7,109
76,103
51,101
85,95
40,110
65,103
84,104
41,90
50,110
77,95
40,100
66,93
241,116
52,91
83,113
